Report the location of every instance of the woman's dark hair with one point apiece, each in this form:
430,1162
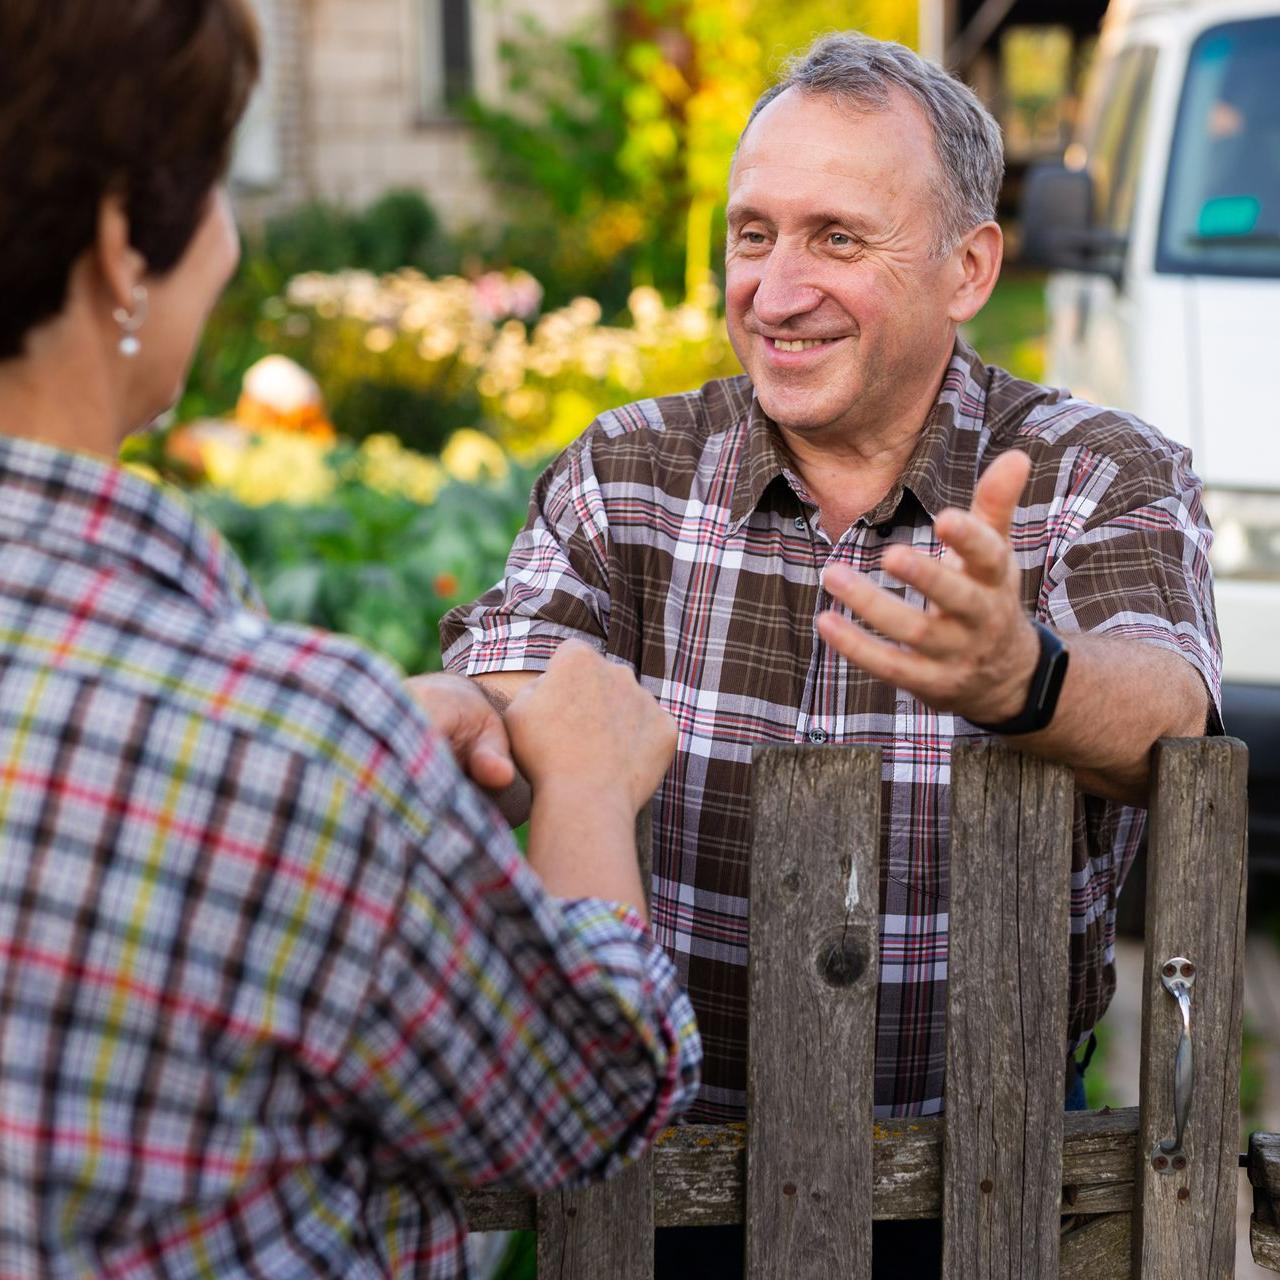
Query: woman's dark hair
139,97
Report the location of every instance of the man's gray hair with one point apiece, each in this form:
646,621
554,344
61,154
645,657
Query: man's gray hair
860,71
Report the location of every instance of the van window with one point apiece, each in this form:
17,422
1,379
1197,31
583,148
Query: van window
1114,146
1222,203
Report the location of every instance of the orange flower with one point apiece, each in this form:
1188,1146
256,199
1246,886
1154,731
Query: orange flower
445,584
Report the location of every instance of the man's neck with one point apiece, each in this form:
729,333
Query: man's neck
848,470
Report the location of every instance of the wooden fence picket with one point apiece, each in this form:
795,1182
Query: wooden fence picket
1185,1226
1007,1014
813,971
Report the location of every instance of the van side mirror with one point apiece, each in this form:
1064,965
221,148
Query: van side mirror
1058,231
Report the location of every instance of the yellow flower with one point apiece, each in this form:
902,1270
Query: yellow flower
471,456
274,466
386,465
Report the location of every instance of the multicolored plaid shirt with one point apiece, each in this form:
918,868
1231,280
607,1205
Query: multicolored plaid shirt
675,536
272,975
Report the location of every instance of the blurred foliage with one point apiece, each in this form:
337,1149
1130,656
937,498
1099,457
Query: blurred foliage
1010,329
420,358
611,162
350,550
400,229
1037,67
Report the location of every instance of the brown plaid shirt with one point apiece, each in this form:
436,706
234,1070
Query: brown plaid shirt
675,535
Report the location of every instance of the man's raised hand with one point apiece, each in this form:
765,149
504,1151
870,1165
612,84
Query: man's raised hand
973,649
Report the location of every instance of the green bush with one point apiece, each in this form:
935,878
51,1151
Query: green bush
398,230
376,566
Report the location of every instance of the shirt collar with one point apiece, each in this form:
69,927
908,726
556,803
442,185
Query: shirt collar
940,473
91,510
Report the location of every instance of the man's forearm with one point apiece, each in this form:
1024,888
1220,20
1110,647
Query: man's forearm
1120,696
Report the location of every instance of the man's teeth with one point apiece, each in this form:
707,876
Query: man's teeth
802,345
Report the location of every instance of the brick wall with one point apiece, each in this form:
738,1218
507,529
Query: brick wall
347,101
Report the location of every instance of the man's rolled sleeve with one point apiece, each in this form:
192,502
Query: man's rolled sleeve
508,1037
1139,568
556,583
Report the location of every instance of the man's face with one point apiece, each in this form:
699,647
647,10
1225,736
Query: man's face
832,215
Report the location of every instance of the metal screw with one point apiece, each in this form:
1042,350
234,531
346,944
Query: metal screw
1184,1194
1160,1162
1179,1162
986,1185
1188,969
788,1188
1169,970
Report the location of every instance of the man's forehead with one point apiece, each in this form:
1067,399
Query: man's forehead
800,135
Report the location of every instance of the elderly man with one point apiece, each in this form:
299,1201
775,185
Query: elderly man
1015,561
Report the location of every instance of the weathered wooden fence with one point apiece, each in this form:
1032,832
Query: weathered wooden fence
1148,1192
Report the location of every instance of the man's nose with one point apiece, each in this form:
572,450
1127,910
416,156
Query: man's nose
783,291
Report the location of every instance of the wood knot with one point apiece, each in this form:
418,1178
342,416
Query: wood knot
841,962
986,1184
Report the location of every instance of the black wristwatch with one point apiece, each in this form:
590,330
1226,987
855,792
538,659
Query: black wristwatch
1042,696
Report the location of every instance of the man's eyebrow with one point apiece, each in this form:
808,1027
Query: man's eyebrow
819,218
744,213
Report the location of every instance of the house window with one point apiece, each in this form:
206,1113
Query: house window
445,58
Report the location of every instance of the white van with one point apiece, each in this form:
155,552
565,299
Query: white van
1163,232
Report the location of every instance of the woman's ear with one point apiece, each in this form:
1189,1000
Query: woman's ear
121,267
978,257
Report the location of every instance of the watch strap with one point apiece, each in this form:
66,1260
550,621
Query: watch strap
1042,695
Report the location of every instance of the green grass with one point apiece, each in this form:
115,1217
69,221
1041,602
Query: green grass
1010,329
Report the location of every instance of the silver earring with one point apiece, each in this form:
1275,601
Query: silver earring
131,321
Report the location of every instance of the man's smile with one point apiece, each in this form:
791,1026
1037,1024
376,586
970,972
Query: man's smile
794,353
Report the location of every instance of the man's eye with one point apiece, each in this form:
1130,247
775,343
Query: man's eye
839,240
753,237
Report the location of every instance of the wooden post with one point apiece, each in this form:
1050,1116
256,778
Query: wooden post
813,971
1264,1174
1007,970
1185,1223
606,1229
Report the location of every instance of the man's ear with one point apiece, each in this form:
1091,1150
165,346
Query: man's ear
121,267
977,258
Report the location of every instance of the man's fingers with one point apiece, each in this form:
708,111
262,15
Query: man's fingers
999,487
945,585
476,733
490,767
983,552
900,668
929,633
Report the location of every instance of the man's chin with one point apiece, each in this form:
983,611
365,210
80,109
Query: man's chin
801,414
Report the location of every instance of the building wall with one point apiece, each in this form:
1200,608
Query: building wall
345,101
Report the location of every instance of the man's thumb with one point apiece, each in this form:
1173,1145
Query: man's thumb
489,760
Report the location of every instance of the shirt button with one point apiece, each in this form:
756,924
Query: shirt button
248,626
817,735
801,523
884,530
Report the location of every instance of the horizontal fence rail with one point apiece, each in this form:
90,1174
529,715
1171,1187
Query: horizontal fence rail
1022,1188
